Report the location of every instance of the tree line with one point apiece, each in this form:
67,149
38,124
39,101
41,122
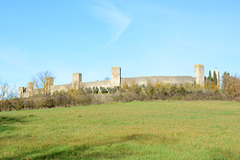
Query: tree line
127,92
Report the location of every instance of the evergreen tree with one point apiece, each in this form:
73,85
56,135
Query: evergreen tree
215,78
210,77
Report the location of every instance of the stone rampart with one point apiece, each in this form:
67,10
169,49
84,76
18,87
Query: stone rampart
106,83
59,88
159,79
116,80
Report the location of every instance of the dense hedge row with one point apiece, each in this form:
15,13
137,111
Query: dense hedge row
126,93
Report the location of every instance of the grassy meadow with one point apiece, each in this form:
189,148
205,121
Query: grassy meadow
136,130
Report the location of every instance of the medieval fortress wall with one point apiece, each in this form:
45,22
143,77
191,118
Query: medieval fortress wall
160,79
116,80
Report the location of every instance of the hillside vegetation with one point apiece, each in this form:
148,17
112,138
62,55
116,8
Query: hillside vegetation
136,130
42,97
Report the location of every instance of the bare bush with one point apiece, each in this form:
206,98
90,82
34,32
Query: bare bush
42,82
6,94
129,93
231,85
6,91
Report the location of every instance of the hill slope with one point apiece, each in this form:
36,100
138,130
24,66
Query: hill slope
137,130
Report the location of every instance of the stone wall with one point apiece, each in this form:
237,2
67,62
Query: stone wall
159,79
59,88
106,83
116,80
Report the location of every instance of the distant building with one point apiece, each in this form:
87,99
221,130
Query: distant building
117,80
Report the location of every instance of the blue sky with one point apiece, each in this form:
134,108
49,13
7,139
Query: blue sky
143,37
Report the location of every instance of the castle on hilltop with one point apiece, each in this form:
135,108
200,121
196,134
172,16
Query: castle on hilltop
117,80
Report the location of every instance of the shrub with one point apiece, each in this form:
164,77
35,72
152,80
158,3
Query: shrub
103,90
231,85
18,104
49,102
128,92
115,89
29,103
95,90
117,97
61,99
182,91
88,90
85,100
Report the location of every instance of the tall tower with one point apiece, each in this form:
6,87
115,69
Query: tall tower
116,76
76,80
199,74
30,87
21,91
49,83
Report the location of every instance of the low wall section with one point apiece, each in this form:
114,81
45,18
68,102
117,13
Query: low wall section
106,83
159,79
59,88
66,87
136,80
116,80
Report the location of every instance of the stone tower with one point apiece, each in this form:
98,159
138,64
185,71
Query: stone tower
30,87
76,80
49,82
21,91
116,76
199,74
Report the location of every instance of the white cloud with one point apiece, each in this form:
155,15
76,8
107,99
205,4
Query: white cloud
111,15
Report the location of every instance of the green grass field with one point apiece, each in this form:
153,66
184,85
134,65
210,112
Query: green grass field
137,130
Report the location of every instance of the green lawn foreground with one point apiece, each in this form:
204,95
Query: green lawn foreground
136,130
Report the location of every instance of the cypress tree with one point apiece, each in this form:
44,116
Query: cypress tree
209,77
215,77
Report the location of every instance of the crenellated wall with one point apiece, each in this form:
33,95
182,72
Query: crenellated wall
116,80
